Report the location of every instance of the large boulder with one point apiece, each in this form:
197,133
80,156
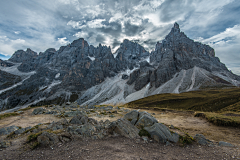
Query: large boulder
47,139
225,144
73,113
124,128
86,130
132,116
38,111
201,139
20,131
58,125
4,144
7,130
161,133
145,120
79,119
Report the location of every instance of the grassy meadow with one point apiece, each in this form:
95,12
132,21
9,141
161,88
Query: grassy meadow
218,106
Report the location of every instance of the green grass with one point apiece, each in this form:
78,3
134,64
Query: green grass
33,137
219,106
2,116
144,132
205,100
221,119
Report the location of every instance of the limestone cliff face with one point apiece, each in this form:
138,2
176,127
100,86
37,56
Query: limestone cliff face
93,75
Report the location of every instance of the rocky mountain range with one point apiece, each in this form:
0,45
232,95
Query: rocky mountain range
93,75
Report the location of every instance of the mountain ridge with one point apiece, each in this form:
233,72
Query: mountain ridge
84,73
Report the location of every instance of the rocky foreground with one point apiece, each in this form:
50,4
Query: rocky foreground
135,130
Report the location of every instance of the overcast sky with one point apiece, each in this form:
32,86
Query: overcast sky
42,24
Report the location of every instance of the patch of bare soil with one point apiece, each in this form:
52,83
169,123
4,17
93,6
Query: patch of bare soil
116,148
27,119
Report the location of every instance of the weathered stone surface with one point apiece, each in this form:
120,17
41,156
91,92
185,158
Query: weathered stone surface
47,139
202,140
38,111
124,128
3,131
23,56
73,113
5,64
132,116
8,79
8,130
77,120
124,76
146,121
225,144
20,131
58,125
4,144
161,133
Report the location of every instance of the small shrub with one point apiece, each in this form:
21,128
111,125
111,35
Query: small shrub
33,137
2,116
11,135
144,132
187,139
34,145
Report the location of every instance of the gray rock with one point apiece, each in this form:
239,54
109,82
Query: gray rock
73,113
51,112
161,133
20,131
4,144
20,112
124,128
132,116
8,130
108,108
47,139
27,128
172,127
23,56
202,140
86,130
146,121
38,111
225,144
91,107
3,131
124,76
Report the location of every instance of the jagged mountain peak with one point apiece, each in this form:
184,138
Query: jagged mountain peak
92,75
176,25
79,43
21,55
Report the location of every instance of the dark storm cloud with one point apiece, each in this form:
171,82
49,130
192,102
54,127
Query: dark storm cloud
116,43
114,29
